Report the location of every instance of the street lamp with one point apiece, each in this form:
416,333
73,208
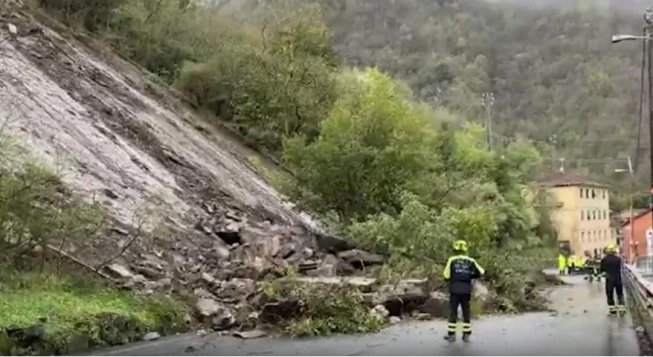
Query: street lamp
620,38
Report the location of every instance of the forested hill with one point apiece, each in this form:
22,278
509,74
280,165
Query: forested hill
555,76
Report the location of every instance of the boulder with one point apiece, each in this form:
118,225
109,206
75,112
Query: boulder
404,289
332,244
308,265
248,335
148,272
364,285
236,290
380,312
395,320
481,291
360,258
328,266
151,336
332,266
223,320
119,271
207,307
400,298
220,316
222,252
264,244
437,305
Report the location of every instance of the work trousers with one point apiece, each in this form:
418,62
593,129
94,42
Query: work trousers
461,300
612,287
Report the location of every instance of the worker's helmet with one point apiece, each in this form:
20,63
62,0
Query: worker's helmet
611,249
460,245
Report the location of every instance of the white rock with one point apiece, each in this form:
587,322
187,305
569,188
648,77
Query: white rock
151,336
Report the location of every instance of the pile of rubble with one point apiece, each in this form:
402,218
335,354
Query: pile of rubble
224,277
224,270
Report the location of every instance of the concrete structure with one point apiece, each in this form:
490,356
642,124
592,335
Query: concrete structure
580,213
637,244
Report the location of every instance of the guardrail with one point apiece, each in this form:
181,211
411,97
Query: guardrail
638,282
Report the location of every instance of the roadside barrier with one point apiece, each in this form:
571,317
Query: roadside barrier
638,282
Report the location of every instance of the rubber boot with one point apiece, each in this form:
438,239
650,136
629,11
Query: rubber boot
466,337
621,310
450,338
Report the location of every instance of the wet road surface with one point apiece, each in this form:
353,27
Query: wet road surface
580,327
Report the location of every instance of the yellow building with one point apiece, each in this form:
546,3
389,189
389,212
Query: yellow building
580,213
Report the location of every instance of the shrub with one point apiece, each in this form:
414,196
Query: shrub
324,310
93,14
36,209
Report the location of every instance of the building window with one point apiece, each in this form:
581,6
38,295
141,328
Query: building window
581,193
588,215
593,193
593,214
603,193
582,236
582,215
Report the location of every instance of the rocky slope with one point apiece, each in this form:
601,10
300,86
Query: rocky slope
120,141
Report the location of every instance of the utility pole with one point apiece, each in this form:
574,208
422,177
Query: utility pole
553,141
562,165
648,30
487,101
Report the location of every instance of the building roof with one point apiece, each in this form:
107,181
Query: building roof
636,215
624,215
569,179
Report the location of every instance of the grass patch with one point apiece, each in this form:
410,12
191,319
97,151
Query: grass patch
64,307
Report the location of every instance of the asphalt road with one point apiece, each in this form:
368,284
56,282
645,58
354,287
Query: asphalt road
580,327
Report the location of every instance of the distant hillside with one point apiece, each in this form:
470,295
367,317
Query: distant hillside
555,76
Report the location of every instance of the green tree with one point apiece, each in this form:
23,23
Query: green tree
374,141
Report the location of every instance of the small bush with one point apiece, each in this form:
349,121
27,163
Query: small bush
36,209
324,310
